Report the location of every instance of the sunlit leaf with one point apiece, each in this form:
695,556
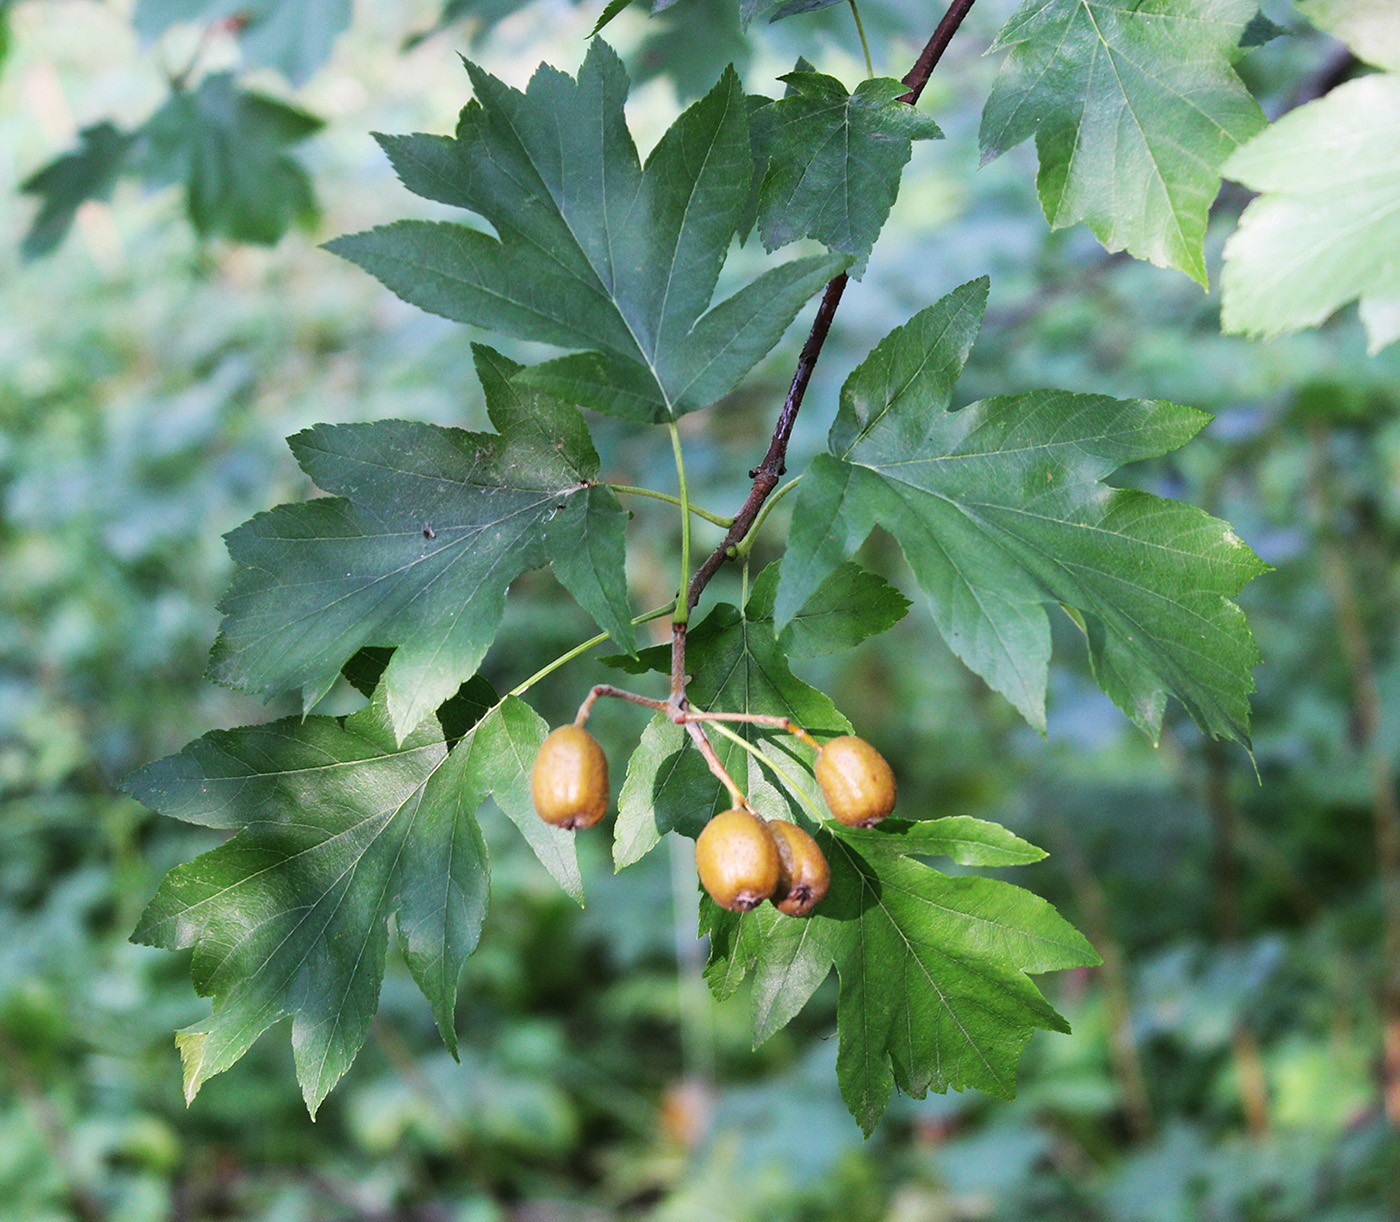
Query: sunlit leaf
934,970
1371,28
1329,213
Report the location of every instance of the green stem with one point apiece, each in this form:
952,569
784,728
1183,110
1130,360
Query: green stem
864,45
745,545
777,769
724,523
682,614
564,658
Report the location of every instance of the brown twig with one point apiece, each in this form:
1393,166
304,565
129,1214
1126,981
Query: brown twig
765,476
918,75
707,750
607,689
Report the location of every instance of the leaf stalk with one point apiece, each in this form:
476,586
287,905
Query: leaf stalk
629,490
864,43
578,650
682,605
681,715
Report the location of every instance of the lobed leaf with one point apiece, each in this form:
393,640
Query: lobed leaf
1134,109
340,826
427,528
934,979
88,172
1001,508
834,160
934,970
593,251
227,147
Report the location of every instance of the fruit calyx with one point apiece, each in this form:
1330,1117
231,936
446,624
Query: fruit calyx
803,874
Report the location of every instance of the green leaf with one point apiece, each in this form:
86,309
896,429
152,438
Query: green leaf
934,979
612,9
224,145
835,160
227,147
963,839
691,43
669,788
339,828
594,252
1134,109
1371,28
1329,173
934,989
794,7
89,172
786,958
427,528
292,36
851,605
1001,508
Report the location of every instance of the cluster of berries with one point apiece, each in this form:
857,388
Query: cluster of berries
742,858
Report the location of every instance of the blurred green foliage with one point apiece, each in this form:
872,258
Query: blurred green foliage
1224,1062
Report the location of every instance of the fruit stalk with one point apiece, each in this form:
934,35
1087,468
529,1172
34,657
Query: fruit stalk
755,719
607,689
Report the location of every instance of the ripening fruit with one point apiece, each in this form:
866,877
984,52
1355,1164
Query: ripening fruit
856,782
569,782
803,875
737,860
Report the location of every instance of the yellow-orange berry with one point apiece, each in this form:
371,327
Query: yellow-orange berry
569,782
856,782
737,860
803,875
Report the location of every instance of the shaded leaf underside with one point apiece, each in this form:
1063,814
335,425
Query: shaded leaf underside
339,827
